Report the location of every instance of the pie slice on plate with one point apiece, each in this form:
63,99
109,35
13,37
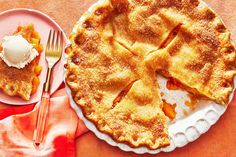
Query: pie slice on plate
22,82
117,50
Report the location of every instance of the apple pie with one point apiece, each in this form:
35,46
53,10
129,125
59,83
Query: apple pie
117,50
25,81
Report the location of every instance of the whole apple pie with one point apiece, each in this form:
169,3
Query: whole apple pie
117,50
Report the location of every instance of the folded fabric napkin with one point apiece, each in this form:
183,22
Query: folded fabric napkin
63,126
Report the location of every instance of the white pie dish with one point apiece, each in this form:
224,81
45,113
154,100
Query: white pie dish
184,130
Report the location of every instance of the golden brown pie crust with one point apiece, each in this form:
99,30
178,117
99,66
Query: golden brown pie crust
116,52
22,82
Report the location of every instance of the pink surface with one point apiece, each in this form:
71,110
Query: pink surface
219,141
9,21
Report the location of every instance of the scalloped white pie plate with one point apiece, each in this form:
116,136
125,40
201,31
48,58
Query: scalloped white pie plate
185,128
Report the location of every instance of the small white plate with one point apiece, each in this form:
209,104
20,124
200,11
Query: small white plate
9,21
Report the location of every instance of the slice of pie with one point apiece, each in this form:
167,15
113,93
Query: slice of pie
117,50
22,82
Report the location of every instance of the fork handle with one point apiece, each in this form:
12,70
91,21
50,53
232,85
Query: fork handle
46,86
43,111
41,119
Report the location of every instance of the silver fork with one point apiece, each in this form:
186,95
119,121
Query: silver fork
53,55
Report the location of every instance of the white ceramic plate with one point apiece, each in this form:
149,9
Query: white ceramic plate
183,130
9,21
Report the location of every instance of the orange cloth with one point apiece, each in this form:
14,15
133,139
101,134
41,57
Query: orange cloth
16,131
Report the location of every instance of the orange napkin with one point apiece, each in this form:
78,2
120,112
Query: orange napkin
63,126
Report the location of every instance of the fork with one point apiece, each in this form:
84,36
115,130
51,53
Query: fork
53,55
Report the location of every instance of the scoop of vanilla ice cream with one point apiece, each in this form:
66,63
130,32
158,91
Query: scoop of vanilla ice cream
17,51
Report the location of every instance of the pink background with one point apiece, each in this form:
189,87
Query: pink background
220,141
